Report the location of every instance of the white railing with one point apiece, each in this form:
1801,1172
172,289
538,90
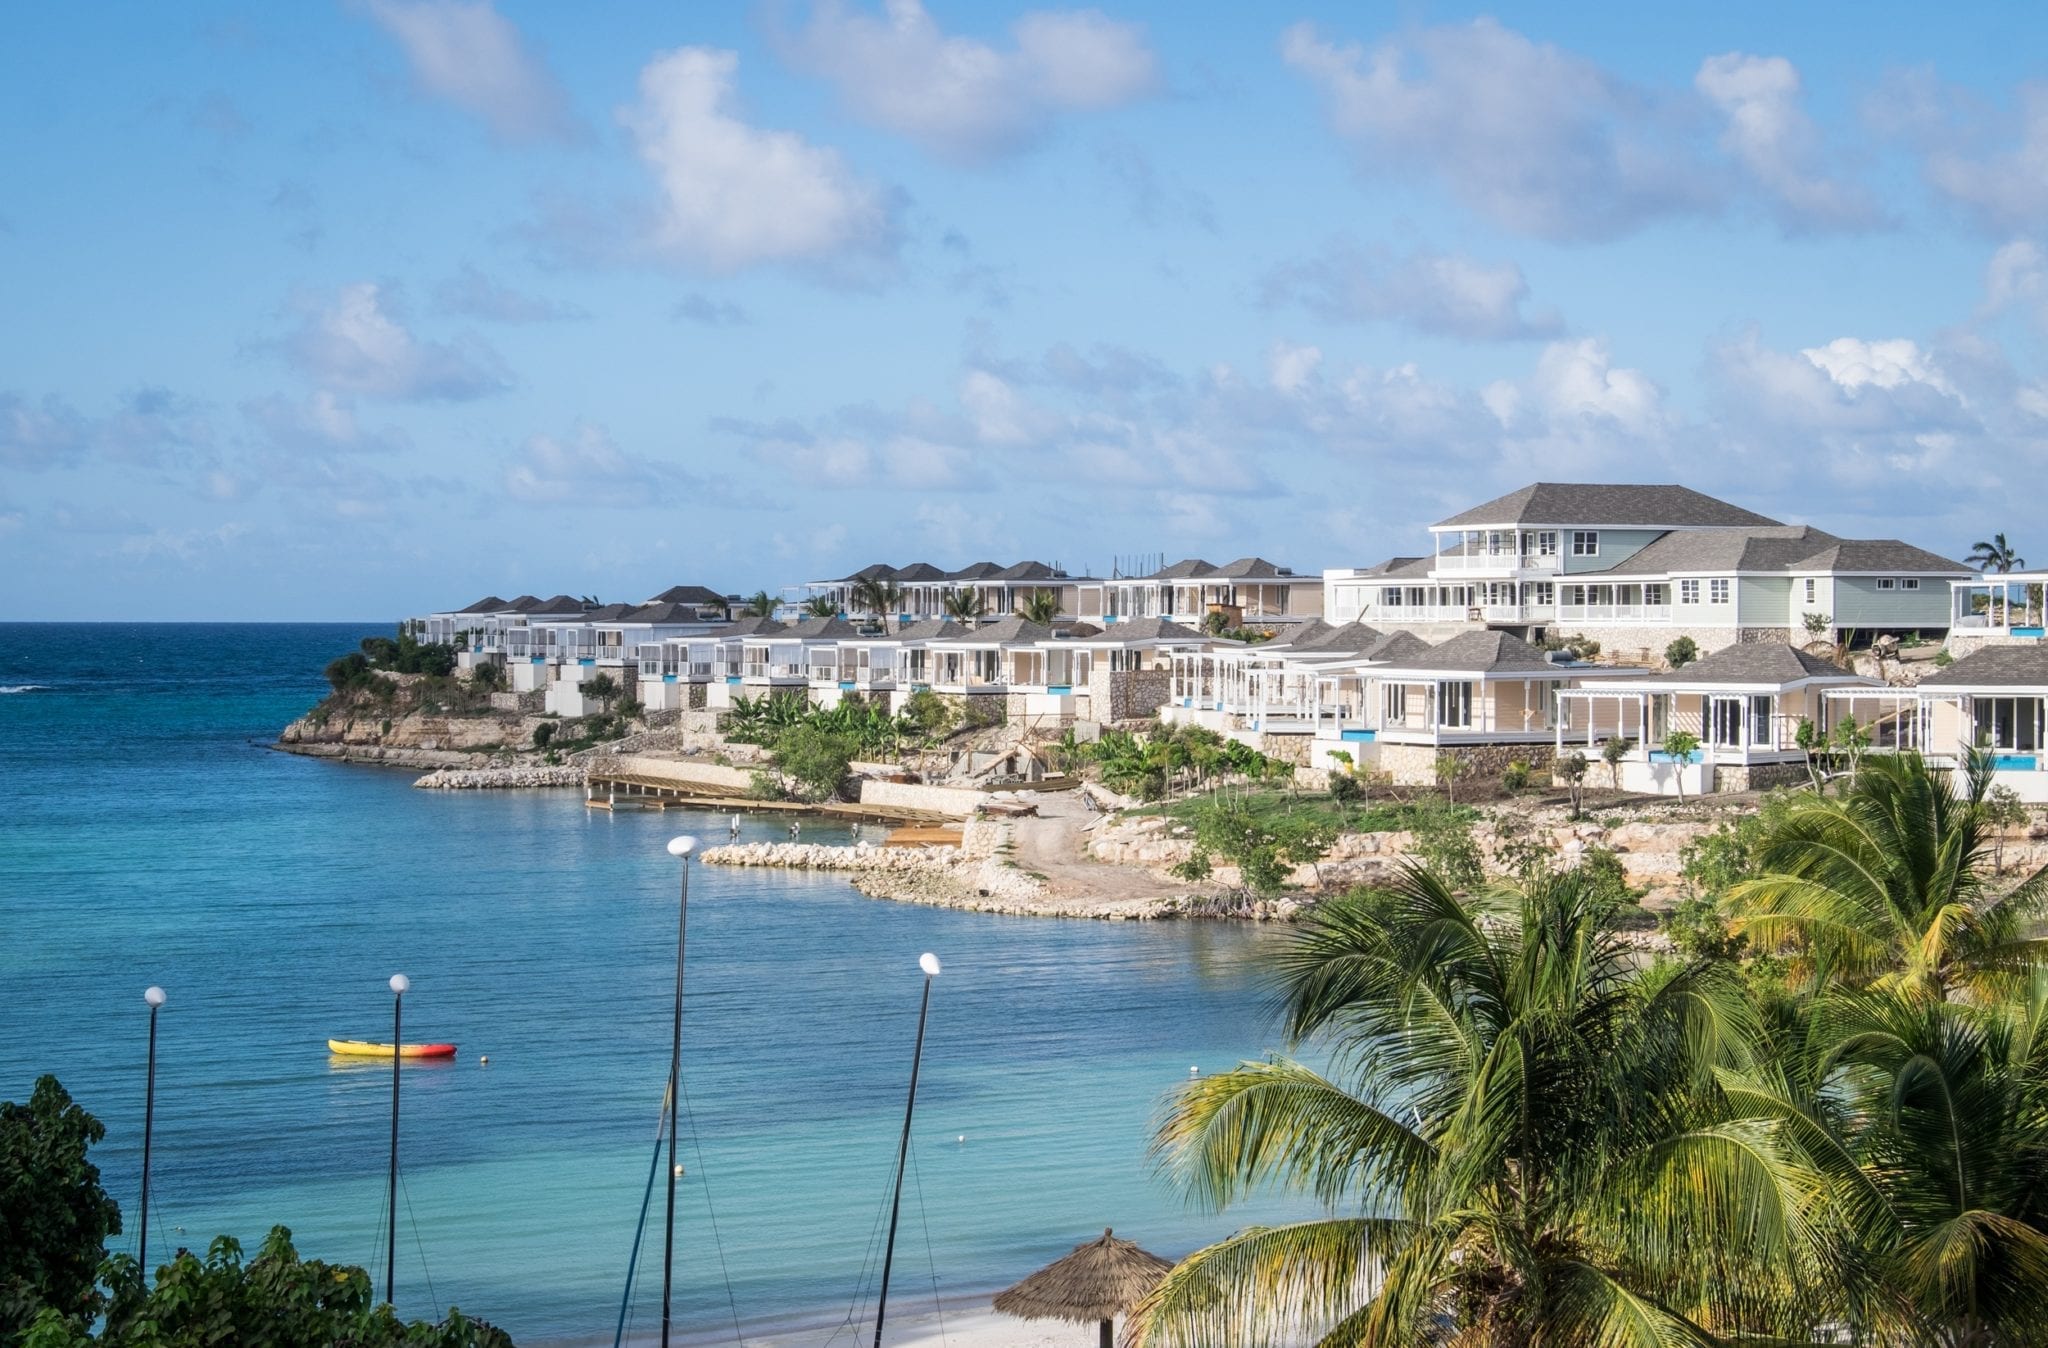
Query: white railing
1613,613
1495,561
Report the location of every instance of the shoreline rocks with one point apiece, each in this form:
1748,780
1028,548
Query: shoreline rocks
500,779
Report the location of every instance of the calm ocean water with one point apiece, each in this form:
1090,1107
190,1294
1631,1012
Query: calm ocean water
149,838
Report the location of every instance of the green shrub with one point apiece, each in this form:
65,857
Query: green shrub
1681,652
1445,842
1514,778
543,734
813,761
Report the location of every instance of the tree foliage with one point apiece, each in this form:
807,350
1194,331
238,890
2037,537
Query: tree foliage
54,1216
1266,848
276,1299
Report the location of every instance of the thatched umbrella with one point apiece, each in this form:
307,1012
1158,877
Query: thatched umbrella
1100,1280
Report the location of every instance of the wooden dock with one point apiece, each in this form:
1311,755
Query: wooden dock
627,791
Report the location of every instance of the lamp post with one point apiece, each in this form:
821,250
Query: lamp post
930,964
680,848
400,984
155,997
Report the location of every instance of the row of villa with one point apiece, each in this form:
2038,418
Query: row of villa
1383,667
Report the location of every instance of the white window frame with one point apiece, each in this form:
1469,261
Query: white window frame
1454,698
1546,542
1585,542
1909,582
1688,592
1812,587
1887,583
1657,594
1720,590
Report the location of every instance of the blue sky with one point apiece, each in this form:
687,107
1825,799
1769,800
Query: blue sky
362,309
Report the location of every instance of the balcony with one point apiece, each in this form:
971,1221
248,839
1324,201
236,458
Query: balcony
1497,563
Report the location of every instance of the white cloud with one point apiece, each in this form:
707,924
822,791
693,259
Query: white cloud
2017,278
1546,142
323,423
359,344
471,55
1534,137
963,98
1995,165
1292,367
1441,294
149,427
1770,135
1853,363
699,308
733,195
589,469
472,294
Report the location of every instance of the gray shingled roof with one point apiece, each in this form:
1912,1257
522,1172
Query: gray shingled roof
1784,548
1027,571
930,629
1251,568
1188,568
561,604
918,572
1399,566
488,604
1015,628
1482,653
1633,505
1757,663
1140,629
750,627
1395,647
525,603
1995,667
873,571
823,627
663,613
976,571
1350,639
688,594
1309,632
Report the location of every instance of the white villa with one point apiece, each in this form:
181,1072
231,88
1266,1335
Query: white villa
1248,590
1635,566
1995,699
1743,703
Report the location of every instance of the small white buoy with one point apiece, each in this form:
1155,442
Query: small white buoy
679,1172
485,1060
1194,1071
962,1137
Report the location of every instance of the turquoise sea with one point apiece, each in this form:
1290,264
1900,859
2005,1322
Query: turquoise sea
149,837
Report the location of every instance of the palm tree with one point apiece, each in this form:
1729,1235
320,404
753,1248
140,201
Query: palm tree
1995,555
1886,883
821,606
1040,606
966,603
760,605
879,597
1917,1126
1519,1146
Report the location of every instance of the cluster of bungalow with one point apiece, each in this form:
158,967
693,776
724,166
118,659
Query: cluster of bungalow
678,651
1636,566
1248,590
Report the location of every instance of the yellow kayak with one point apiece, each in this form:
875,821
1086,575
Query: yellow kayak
357,1048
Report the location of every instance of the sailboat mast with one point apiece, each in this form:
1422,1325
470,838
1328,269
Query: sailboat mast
930,964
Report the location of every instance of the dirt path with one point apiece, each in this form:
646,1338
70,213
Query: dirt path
1053,844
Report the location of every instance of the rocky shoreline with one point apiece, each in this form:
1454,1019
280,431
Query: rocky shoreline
967,880
500,779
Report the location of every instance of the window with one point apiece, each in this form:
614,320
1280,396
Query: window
1585,543
1575,596
1688,592
2008,722
1540,592
1656,596
1717,591
1724,722
1886,583
1811,586
1909,582
1546,543
1397,703
1455,705
1391,598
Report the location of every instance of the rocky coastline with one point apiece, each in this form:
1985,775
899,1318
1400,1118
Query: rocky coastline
501,779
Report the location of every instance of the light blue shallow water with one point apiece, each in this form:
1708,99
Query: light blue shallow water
148,838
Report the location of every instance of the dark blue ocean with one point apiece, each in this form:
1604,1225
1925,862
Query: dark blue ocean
147,836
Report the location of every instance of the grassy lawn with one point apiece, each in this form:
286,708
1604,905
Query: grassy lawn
1380,816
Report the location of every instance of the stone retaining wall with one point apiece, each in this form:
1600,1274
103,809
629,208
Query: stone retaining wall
950,800
1758,776
1126,694
1415,764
